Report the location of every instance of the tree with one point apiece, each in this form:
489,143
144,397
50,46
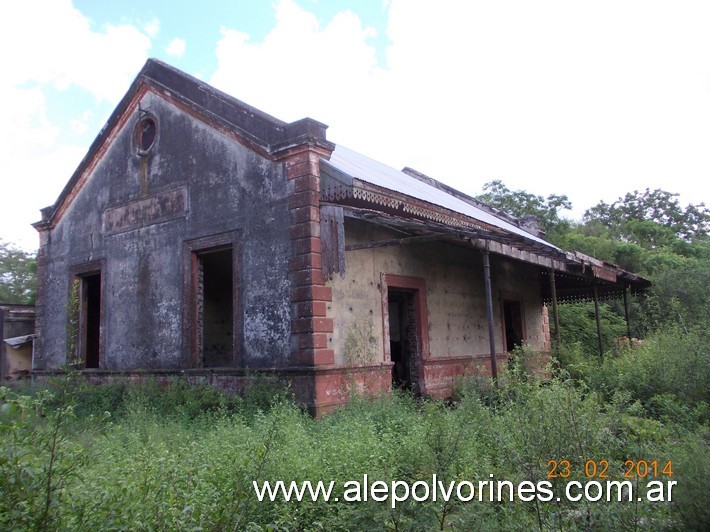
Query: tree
17,275
519,203
652,218
651,233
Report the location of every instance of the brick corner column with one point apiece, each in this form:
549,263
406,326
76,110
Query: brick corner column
38,360
310,324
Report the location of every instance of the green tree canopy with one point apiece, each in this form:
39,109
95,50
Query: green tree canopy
17,275
651,218
520,203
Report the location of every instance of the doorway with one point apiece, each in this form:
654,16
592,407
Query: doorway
403,342
215,307
513,328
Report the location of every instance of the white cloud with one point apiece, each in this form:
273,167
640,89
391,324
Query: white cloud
80,126
176,47
49,44
590,100
586,99
152,28
35,166
299,69
61,48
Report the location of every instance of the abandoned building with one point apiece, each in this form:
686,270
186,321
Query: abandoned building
205,239
17,324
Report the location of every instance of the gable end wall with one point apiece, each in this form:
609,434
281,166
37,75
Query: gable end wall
122,214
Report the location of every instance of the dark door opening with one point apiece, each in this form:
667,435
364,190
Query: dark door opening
403,338
215,308
91,319
513,324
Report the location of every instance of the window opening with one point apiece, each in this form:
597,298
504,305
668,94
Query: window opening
90,319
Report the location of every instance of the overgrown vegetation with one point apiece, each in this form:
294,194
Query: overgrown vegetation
144,456
176,457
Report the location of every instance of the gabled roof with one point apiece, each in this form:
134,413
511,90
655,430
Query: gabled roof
249,125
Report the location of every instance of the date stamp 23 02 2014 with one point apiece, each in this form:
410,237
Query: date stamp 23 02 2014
630,469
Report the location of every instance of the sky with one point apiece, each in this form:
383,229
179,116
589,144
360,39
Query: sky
587,99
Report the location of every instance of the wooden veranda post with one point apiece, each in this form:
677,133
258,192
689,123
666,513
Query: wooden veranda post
489,314
626,314
555,314
596,315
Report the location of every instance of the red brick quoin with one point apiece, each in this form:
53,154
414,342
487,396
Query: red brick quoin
309,295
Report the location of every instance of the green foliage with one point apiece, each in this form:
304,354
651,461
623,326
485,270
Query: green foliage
261,393
165,455
520,203
691,499
678,294
38,459
652,218
578,326
178,457
72,308
649,233
17,275
669,369
659,392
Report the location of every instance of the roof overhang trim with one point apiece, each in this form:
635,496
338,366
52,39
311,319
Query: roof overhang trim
575,276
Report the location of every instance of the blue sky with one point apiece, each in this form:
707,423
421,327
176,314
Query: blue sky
588,99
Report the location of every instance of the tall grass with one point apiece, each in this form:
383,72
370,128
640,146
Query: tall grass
179,457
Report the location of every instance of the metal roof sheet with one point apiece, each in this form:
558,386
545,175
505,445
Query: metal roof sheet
365,169
19,341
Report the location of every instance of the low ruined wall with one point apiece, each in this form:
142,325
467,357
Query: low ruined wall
320,390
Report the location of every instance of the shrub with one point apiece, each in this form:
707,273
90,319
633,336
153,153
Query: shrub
690,496
181,457
671,363
38,460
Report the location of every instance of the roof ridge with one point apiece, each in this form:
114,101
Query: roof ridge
458,194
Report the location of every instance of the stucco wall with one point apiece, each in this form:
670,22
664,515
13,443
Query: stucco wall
228,189
455,296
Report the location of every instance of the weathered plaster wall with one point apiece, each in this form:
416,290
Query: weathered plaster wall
228,188
17,360
455,296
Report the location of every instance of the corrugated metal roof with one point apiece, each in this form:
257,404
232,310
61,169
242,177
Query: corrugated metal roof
19,341
365,169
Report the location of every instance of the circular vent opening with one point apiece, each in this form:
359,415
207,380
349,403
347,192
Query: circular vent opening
147,130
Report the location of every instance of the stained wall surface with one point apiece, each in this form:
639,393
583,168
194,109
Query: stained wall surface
138,215
455,296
